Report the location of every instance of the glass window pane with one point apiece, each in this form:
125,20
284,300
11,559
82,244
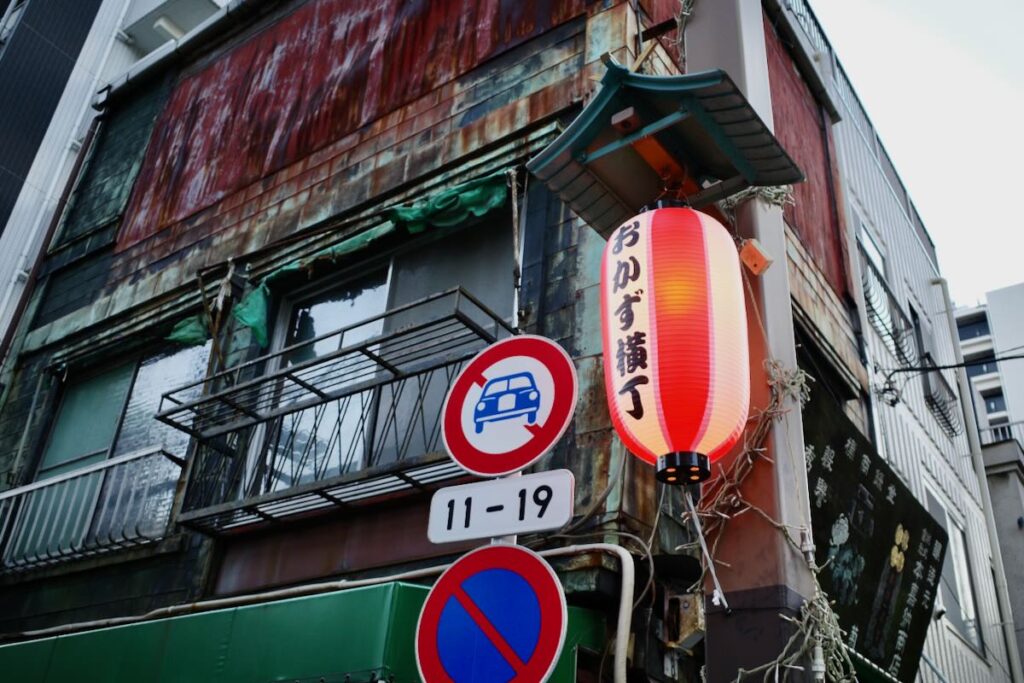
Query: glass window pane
956,586
995,403
957,553
331,438
975,328
87,418
330,311
872,251
157,374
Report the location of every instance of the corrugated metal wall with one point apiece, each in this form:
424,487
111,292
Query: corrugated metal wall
319,74
910,437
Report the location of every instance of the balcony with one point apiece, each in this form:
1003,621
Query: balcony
885,313
942,401
118,503
300,431
1003,432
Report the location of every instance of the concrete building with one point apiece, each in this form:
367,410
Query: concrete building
296,223
990,331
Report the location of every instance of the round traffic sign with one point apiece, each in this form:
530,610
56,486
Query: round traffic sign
509,405
497,615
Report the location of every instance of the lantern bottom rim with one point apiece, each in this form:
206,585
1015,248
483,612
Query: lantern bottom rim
683,467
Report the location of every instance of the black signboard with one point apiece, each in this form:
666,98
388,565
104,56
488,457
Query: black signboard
881,550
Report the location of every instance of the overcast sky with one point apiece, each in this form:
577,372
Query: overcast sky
943,82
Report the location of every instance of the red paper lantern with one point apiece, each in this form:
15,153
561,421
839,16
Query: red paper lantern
674,328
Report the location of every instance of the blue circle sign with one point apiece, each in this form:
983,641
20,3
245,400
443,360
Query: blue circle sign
497,615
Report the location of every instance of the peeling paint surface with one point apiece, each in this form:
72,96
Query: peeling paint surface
800,125
322,72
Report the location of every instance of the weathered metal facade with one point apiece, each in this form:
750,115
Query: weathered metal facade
262,166
289,173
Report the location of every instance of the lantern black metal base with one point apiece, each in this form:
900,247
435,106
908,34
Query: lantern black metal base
683,467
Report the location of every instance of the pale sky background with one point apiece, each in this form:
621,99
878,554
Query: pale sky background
943,82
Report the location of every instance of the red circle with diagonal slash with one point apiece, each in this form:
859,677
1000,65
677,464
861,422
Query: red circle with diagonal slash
566,387
554,613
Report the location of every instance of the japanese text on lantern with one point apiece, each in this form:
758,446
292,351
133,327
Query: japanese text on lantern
632,331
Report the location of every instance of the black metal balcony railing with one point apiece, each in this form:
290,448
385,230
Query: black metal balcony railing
294,432
885,313
942,401
121,502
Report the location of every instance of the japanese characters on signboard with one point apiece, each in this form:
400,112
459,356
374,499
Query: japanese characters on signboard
633,388
881,550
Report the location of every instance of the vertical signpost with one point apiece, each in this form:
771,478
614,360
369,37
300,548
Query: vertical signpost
499,613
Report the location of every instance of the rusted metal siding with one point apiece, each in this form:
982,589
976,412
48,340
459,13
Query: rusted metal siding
318,74
655,12
803,128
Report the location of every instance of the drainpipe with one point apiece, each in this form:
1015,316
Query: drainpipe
622,628
971,427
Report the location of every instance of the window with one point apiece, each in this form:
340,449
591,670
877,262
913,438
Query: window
972,328
387,421
922,335
331,438
985,364
105,415
110,413
995,402
869,246
957,584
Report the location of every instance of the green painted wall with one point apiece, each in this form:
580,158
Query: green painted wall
354,632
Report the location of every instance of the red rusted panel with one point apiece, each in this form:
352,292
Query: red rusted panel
321,72
357,542
657,11
803,128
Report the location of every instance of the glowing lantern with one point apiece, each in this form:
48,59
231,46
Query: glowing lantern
675,341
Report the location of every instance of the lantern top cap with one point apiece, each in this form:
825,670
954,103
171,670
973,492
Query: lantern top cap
640,132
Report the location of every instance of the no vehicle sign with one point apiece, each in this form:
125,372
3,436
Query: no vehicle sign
509,405
497,615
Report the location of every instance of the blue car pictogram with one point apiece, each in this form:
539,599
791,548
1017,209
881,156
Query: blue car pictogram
507,397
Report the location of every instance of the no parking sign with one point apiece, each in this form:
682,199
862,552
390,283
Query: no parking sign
509,405
498,615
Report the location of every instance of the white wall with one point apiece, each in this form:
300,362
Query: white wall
910,438
1006,322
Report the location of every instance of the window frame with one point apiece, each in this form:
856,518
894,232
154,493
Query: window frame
51,427
871,247
951,524
285,306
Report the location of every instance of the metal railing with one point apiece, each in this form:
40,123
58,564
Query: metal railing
942,401
298,430
124,501
886,314
809,23
1003,432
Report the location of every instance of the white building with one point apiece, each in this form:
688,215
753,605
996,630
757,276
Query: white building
989,331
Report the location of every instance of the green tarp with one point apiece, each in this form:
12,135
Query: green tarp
454,205
446,209
191,331
251,311
334,637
